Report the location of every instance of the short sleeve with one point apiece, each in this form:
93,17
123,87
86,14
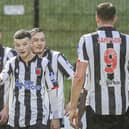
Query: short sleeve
82,50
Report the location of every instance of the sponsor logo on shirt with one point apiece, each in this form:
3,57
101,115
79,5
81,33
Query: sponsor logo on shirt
27,84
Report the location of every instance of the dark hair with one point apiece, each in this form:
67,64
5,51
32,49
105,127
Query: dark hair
106,11
21,34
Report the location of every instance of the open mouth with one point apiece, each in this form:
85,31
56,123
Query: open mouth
39,48
21,52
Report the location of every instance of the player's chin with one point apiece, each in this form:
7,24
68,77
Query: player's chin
39,52
23,56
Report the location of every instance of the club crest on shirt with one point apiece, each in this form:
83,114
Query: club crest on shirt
38,71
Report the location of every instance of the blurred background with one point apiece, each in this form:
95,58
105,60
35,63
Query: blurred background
63,22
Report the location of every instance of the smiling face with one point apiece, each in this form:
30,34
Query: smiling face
22,44
38,43
23,47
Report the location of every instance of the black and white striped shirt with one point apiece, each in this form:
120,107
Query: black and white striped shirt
107,52
5,54
30,84
62,68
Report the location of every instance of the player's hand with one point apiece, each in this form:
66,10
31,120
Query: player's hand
3,116
55,124
73,118
67,109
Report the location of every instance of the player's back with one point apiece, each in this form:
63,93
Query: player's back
108,54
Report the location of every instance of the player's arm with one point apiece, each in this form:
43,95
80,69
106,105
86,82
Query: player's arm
76,88
80,72
53,97
79,79
4,114
4,78
65,66
66,69
4,75
81,106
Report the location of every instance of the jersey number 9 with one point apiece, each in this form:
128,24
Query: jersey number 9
110,58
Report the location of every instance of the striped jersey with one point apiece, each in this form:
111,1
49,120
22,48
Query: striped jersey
5,54
30,86
107,53
62,68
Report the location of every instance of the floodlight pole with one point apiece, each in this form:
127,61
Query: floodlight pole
36,13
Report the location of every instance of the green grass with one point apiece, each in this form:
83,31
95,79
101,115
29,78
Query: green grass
63,21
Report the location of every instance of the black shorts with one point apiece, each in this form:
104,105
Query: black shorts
95,121
3,126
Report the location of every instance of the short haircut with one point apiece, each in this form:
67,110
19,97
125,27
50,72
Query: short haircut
21,34
35,30
106,11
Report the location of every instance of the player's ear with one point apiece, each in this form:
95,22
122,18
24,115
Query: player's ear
115,19
97,19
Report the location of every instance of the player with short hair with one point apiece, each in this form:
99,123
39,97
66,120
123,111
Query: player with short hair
60,65
106,54
31,83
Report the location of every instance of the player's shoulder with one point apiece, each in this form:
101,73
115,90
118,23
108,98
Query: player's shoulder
124,34
54,52
7,49
12,60
11,53
89,34
86,35
85,38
